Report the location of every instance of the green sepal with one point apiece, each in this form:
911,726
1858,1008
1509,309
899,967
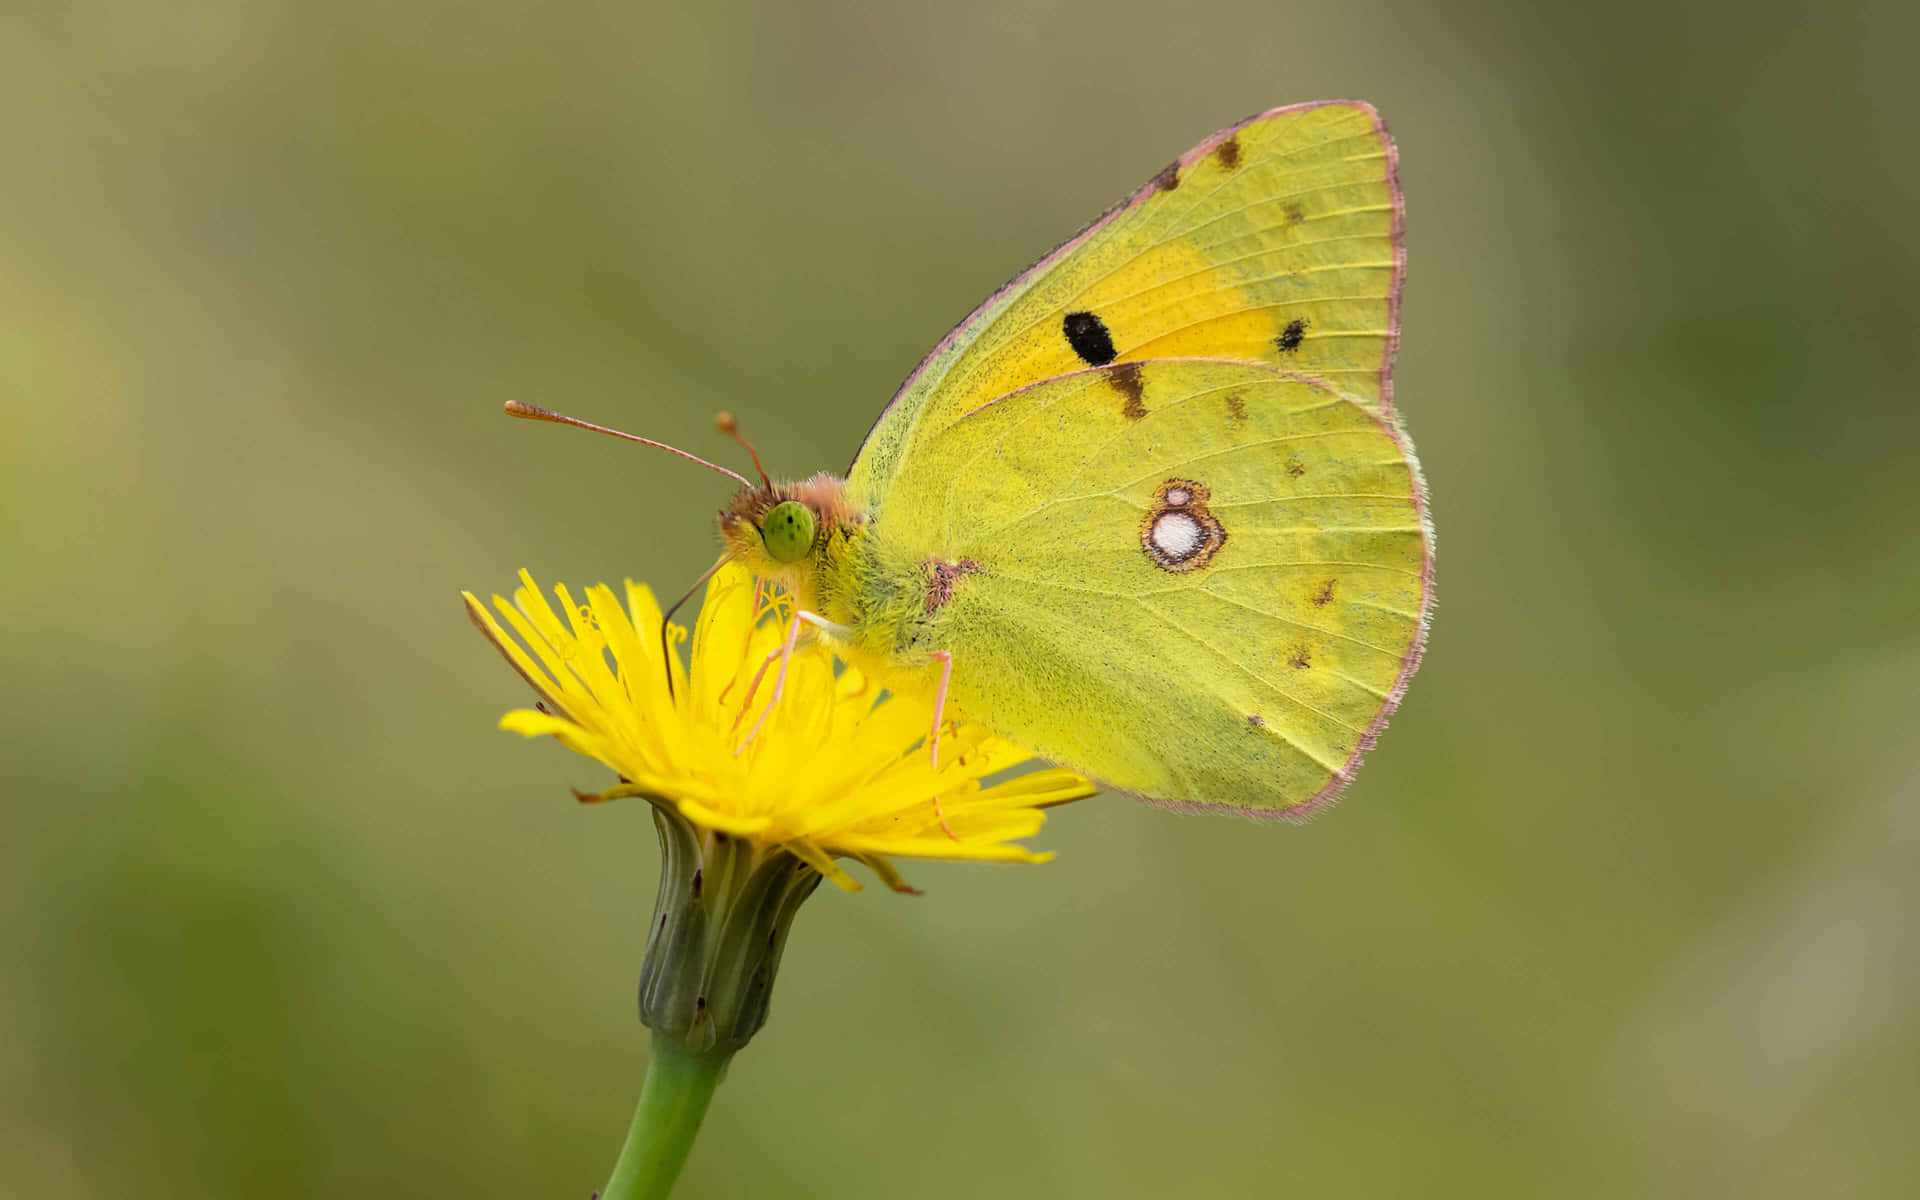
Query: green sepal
720,924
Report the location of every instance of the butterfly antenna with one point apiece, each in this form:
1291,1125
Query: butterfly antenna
666,648
731,428
533,412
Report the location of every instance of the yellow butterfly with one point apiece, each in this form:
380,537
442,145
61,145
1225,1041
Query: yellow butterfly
1149,509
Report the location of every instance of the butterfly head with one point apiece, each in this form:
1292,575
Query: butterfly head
785,531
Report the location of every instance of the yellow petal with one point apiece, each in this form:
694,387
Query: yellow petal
511,650
814,857
724,822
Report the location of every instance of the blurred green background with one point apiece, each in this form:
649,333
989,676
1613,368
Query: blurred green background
1623,906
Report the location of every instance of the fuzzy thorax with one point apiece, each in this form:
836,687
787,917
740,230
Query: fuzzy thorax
848,578
743,525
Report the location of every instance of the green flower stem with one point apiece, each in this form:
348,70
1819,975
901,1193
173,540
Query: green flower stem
680,1082
720,923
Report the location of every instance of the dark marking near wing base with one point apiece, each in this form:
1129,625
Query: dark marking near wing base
1228,152
1126,380
940,582
1301,658
1169,177
1256,721
1088,336
1323,595
1295,467
1291,337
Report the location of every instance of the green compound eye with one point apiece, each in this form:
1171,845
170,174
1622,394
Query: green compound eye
788,532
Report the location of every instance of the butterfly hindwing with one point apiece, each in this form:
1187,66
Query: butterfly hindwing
1275,240
1202,582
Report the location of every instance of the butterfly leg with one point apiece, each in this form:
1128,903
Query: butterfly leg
753,687
940,701
785,655
939,712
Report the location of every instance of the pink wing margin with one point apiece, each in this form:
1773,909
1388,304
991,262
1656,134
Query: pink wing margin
1150,188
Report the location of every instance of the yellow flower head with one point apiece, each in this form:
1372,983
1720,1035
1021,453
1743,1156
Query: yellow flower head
837,769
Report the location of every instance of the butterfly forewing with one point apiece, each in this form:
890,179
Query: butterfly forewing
1275,240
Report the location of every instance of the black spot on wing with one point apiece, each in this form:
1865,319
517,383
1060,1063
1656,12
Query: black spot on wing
1088,336
1169,177
1228,152
1291,337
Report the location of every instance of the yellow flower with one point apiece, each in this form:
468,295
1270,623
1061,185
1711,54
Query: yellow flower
837,770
